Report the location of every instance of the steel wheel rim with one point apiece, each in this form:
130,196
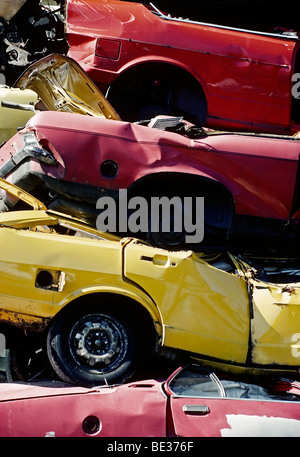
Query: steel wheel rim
98,342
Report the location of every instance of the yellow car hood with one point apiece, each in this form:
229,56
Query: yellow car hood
20,194
62,85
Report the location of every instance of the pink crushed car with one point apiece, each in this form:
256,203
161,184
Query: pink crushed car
250,183
192,402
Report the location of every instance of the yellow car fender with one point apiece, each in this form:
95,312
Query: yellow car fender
126,290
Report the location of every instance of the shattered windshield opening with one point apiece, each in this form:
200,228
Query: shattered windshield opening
198,381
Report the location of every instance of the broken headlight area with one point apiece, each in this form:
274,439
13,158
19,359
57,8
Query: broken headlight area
32,155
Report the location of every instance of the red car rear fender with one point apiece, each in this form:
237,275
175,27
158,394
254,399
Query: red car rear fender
259,172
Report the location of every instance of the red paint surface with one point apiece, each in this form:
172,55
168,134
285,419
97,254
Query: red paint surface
246,77
259,171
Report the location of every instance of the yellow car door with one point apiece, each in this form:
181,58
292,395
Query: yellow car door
21,302
203,310
276,323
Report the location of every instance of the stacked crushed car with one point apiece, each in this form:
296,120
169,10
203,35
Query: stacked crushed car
94,290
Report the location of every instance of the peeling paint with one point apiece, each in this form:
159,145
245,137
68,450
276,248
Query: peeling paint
241,425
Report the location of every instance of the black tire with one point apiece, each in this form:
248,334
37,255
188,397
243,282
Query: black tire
93,347
212,225
170,240
167,235
27,364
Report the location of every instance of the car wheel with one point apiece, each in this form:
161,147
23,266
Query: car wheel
166,239
93,348
28,364
170,241
167,227
187,212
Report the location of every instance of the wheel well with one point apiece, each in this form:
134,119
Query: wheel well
120,304
152,88
219,205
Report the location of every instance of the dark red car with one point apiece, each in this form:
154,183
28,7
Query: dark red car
192,402
250,182
152,62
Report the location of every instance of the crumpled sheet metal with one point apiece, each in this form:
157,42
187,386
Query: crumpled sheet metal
276,310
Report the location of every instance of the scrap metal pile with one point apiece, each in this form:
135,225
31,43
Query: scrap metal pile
149,210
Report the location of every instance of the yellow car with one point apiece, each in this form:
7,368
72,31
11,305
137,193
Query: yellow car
103,303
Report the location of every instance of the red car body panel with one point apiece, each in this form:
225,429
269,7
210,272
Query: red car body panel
225,415
246,76
147,408
259,171
130,410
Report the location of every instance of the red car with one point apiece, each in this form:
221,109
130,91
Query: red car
155,63
192,402
249,182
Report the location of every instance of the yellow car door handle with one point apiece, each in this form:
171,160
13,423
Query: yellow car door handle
157,259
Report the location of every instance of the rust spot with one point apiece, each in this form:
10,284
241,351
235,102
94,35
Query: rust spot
24,321
288,289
